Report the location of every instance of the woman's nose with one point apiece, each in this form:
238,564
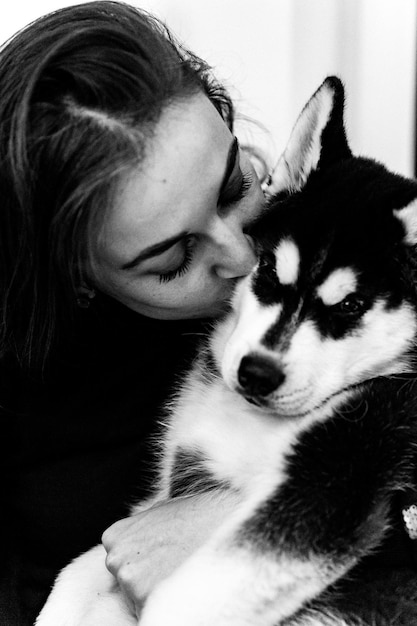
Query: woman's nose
236,256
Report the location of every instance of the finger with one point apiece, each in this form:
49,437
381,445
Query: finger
113,563
113,532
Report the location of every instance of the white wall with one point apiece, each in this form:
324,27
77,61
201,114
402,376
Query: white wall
276,52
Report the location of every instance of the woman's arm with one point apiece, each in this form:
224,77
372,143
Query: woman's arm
147,547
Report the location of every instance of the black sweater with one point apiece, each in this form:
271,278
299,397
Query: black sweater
75,447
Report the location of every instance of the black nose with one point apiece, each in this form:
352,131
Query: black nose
258,375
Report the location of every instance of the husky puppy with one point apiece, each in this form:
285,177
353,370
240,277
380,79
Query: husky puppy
302,402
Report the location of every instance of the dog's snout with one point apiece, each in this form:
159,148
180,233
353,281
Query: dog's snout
259,375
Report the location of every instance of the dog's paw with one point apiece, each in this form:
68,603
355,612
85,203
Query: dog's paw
202,592
182,603
225,588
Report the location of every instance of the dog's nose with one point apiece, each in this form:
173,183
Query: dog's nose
258,375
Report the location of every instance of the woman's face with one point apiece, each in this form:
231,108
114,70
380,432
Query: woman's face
174,243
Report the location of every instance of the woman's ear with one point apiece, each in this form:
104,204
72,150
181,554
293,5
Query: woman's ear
317,138
84,296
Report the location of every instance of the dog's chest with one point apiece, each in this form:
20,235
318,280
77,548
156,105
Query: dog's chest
238,444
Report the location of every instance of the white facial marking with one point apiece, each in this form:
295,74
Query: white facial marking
378,350
408,218
287,262
242,332
318,368
337,286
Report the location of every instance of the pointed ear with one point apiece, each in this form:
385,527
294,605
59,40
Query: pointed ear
408,219
318,138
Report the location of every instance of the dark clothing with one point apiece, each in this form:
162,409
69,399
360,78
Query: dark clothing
75,450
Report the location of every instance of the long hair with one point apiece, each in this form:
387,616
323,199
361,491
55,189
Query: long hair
82,89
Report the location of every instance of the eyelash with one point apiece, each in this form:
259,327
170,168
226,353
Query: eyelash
245,185
189,242
185,263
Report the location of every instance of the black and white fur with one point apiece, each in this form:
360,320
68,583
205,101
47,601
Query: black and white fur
303,402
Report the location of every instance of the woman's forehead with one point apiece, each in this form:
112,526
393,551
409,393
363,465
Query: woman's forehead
183,169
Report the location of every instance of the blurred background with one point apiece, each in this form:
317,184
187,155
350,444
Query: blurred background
273,54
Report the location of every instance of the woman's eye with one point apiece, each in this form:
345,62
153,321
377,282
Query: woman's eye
236,190
183,267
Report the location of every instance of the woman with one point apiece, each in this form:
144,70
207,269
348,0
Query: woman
126,204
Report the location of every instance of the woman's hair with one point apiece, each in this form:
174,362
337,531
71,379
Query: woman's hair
82,89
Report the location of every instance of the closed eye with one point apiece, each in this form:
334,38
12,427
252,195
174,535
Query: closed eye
236,191
235,185
189,245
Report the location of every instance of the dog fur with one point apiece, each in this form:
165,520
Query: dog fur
302,402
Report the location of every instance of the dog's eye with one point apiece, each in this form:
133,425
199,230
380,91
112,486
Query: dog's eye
267,260
265,283
352,305
266,267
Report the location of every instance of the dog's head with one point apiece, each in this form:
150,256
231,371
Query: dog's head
332,301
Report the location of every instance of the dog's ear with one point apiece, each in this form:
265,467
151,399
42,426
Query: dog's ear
408,218
317,139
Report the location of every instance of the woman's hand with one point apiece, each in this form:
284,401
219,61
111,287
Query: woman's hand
147,547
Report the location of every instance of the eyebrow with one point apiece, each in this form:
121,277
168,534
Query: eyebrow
162,246
230,163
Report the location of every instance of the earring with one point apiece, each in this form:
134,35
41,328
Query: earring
85,296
